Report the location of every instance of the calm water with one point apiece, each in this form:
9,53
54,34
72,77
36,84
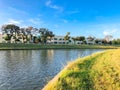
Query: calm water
32,69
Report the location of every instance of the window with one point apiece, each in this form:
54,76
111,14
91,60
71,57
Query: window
55,38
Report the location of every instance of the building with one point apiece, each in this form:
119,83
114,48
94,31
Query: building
59,40
0,38
90,40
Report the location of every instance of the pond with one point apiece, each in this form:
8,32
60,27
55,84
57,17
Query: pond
32,69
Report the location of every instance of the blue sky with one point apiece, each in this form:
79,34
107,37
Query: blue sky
80,17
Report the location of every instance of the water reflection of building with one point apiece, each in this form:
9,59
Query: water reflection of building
50,54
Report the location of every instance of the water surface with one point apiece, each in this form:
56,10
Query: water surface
32,69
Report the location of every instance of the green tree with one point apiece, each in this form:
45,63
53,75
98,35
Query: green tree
80,38
10,29
74,39
108,38
45,34
90,38
7,37
67,37
104,41
116,41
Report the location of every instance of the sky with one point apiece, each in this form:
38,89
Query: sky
79,17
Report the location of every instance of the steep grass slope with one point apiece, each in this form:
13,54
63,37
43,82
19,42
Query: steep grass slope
100,71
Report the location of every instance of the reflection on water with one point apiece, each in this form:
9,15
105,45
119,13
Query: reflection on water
32,69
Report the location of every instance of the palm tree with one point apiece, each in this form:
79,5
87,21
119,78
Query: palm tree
45,33
67,37
74,39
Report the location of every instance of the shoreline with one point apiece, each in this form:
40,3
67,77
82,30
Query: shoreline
11,46
90,67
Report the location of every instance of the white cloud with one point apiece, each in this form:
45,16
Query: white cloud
49,4
39,15
56,25
74,12
12,21
17,10
110,31
65,21
36,21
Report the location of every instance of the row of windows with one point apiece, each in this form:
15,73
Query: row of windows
57,39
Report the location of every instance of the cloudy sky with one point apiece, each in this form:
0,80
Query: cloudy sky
80,17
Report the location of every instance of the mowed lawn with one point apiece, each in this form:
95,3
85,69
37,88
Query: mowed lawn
100,71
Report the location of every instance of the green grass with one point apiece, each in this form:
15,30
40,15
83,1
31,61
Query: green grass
7,46
100,71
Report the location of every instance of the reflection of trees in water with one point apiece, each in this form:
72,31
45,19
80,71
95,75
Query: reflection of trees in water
46,56
43,56
18,54
13,65
36,66
67,53
50,54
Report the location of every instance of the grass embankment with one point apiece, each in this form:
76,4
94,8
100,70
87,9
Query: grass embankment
9,46
100,71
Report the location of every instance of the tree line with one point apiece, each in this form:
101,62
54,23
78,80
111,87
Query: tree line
41,35
37,35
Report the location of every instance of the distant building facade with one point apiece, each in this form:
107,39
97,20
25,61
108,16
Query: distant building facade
0,38
57,40
90,40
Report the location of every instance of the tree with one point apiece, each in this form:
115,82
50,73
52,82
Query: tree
67,37
108,38
28,30
98,41
80,38
29,34
90,38
7,37
10,29
45,34
104,41
116,41
74,39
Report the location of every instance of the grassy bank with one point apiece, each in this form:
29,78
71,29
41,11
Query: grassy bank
9,46
100,71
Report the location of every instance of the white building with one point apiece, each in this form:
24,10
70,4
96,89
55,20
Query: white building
0,38
59,40
0,35
79,42
90,40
